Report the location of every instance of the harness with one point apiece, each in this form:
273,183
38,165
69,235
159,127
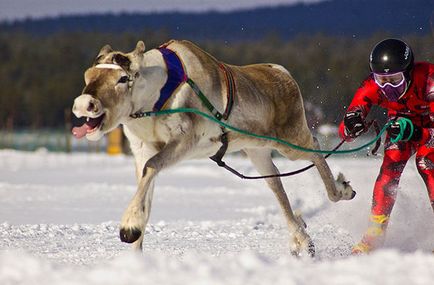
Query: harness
176,76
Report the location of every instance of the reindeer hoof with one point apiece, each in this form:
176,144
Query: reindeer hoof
349,194
311,249
130,235
344,188
348,186
302,244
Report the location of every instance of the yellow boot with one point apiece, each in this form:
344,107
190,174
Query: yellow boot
374,235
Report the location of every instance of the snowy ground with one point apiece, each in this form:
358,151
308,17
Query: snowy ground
59,218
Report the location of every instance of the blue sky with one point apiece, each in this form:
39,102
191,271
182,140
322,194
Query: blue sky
19,9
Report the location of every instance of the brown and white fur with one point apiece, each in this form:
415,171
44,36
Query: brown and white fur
267,102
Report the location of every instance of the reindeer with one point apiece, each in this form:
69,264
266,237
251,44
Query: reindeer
266,100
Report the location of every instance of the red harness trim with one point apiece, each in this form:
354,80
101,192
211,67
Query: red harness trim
230,89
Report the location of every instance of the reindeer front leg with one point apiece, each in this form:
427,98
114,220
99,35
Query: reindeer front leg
136,215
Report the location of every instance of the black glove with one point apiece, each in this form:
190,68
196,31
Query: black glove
395,129
354,124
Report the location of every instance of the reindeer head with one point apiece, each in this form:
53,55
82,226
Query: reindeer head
106,100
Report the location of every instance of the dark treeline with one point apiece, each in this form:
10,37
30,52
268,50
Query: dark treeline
332,17
40,76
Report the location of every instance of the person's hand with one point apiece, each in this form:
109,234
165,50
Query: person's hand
354,124
395,130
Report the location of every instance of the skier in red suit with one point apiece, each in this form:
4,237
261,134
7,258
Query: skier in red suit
405,89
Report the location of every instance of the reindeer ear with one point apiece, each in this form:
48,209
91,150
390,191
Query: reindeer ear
87,77
140,47
105,50
122,60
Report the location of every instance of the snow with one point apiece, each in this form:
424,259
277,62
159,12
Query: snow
59,222
328,130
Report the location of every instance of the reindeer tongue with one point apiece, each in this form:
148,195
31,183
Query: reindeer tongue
81,131
90,124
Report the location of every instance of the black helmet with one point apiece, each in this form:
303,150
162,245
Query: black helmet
391,56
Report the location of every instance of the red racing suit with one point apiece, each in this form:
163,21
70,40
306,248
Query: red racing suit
417,104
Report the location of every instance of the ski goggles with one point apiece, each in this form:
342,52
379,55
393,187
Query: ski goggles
394,80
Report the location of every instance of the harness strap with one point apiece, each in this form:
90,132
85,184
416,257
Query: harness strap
230,89
222,151
175,76
204,100
217,158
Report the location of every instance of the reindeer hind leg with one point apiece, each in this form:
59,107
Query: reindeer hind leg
338,189
261,159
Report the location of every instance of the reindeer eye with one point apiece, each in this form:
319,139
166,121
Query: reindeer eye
123,79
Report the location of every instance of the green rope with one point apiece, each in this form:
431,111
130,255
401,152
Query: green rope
300,148
403,122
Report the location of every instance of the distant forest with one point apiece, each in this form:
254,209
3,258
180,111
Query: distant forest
41,75
355,18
